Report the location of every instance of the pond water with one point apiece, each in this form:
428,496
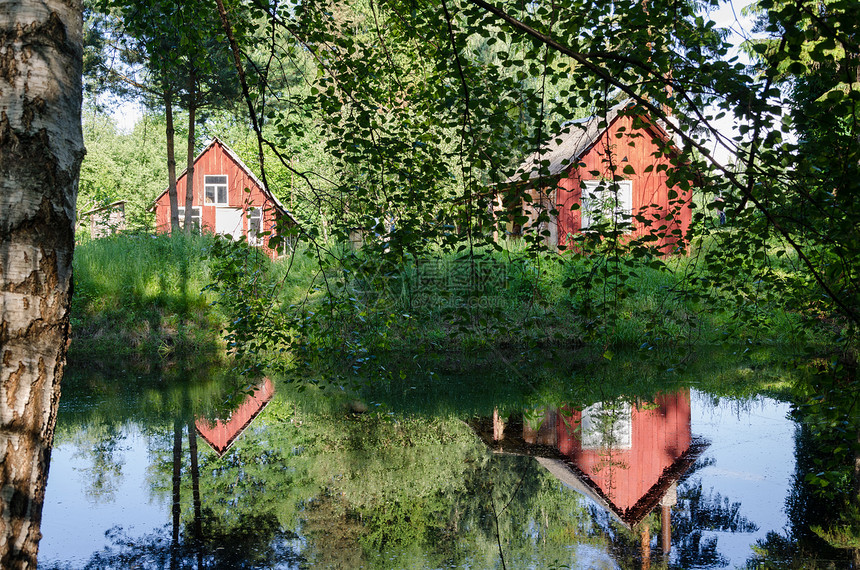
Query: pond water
181,467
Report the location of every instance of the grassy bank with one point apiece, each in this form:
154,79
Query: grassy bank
144,294
515,298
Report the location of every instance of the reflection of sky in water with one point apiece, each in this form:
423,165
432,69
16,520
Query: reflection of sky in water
587,556
74,525
752,444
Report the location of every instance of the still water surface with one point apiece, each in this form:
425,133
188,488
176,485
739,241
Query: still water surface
282,479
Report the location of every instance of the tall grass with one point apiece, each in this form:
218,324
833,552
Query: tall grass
298,278
555,298
143,292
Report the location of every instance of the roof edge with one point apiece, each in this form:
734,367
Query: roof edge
235,157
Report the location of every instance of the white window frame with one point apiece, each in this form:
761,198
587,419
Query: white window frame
620,191
196,217
254,236
216,187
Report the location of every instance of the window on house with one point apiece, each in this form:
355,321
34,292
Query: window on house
604,201
195,217
215,189
255,226
607,425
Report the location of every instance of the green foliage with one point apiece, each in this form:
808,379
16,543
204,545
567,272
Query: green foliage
415,148
846,533
381,127
121,166
811,49
288,313
398,127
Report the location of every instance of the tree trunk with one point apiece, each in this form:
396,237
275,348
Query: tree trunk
195,483
41,147
189,172
176,511
171,160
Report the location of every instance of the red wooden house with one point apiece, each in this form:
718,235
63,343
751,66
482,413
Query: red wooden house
228,199
611,167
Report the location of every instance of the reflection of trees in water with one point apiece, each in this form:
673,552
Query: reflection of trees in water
412,500
825,494
536,518
700,464
256,543
698,512
624,543
695,550
362,489
418,492
698,509
237,528
413,488
100,446
807,507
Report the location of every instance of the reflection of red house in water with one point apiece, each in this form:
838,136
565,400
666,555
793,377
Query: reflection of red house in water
627,458
630,455
221,434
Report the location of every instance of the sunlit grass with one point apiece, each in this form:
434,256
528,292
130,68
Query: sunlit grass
143,269
142,292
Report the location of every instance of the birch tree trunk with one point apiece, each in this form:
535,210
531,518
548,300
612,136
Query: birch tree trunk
41,147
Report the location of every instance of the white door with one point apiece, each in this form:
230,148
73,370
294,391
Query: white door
228,222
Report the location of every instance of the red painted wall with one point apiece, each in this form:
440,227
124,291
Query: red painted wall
214,161
660,436
640,148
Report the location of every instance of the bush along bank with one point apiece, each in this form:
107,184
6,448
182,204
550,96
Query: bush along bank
360,304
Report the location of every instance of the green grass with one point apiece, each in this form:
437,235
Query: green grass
143,293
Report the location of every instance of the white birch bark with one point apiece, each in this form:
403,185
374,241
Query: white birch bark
41,147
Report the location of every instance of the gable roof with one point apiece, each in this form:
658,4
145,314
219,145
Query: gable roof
577,137
107,207
222,434
235,157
